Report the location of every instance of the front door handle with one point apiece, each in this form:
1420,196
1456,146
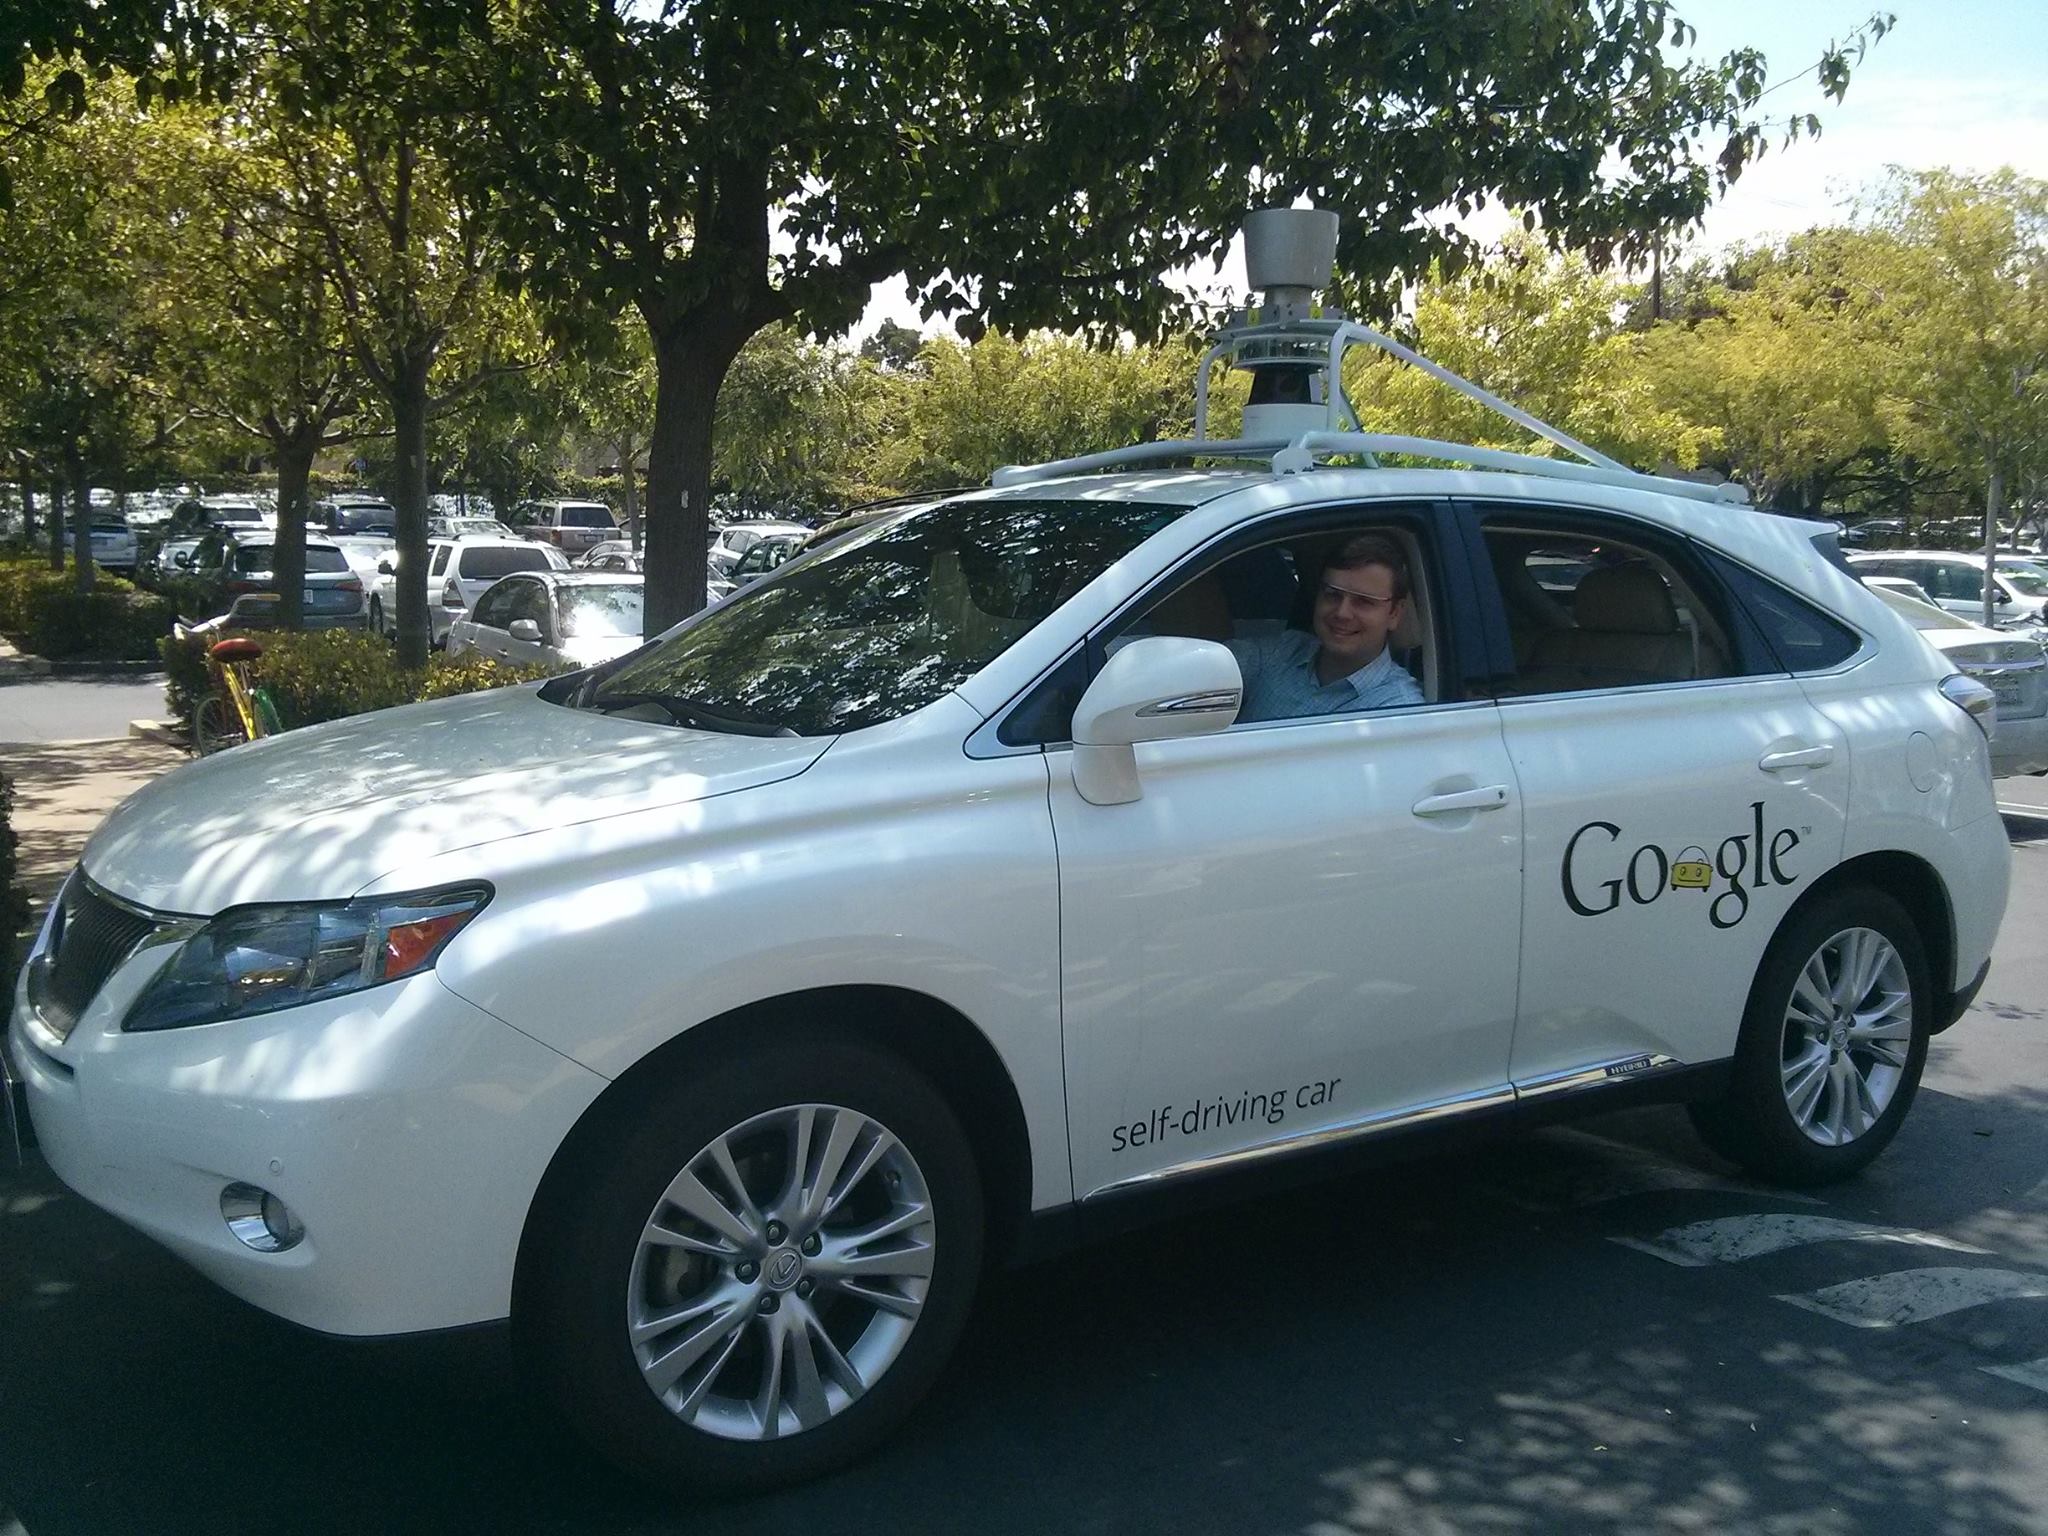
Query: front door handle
1488,797
1802,757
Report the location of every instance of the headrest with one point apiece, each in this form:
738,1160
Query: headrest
1625,599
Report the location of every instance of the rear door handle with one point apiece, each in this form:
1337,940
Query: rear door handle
1488,797
1803,757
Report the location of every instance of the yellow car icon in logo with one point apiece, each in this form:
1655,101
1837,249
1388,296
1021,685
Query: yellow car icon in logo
1690,871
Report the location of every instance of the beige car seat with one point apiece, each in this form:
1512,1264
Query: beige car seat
1625,633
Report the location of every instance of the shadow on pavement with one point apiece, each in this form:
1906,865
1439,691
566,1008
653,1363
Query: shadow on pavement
1398,1352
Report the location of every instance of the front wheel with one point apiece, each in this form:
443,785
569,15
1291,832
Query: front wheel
215,726
757,1279
1832,1045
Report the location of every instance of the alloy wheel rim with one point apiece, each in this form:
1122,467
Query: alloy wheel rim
1848,1033
781,1273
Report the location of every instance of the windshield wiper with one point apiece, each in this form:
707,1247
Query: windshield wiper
694,713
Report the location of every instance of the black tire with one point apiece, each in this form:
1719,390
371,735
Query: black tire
585,1273
1755,1124
215,726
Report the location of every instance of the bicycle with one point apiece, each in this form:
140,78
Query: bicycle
235,708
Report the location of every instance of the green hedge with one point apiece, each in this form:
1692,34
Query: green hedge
331,674
41,613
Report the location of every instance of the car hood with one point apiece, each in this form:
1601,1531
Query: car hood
320,813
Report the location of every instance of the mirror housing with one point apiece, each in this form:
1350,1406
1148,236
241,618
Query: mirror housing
1153,689
385,565
525,629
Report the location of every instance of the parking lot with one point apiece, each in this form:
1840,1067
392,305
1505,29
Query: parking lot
1588,1329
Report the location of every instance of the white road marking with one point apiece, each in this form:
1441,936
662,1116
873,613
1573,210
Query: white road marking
1915,1295
1621,1171
1731,1239
2030,1373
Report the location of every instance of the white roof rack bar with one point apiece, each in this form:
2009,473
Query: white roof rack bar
1353,330
1251,449
1299,456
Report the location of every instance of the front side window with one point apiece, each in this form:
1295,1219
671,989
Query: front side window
884,622
1586,611
2027,580
494,608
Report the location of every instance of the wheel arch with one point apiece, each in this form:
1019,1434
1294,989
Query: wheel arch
1915,885
932,1036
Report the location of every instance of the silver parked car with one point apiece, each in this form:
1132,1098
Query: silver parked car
553,618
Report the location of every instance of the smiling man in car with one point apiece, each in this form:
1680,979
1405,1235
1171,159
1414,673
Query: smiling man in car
1345,665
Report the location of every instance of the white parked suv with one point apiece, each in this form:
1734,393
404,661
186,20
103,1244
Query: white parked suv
459,571
716,1014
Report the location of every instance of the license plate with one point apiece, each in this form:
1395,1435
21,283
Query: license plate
2007,690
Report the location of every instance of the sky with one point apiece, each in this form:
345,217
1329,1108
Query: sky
1957,83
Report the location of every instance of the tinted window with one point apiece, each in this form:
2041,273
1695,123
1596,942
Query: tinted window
1803,638
494,607
586,517
487,562
889,620
606,610
259,559
440,564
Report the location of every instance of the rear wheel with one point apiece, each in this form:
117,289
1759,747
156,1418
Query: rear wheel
215,726
758,1279
1832,1046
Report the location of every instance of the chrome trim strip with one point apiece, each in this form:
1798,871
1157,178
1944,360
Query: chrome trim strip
1598,1075
1351,1130
1221,701
1602,1074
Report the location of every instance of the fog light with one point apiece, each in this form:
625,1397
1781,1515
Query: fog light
259,1219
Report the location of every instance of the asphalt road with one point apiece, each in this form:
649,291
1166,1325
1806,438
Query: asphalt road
1593,1329
41,709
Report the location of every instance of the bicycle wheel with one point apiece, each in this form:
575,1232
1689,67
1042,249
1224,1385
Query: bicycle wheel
214,726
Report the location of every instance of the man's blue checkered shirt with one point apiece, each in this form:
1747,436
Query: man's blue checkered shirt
1280,680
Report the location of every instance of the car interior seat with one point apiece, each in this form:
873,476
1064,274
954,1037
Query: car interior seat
1625,632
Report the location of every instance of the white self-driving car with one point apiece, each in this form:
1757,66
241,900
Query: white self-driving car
716,1014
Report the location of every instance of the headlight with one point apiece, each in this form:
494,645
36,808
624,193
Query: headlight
254,960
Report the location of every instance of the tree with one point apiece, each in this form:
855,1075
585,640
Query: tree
407,248
893,347
1040,162
1543,332
1968,292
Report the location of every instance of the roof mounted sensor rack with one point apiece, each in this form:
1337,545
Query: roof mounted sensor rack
1298,412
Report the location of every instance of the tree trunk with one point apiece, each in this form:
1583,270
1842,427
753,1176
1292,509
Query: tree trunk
1994,510
295,450
28,509
82,572
690,358
628,449
408,400
56,529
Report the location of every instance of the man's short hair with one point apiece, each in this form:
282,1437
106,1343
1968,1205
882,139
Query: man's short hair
1373,549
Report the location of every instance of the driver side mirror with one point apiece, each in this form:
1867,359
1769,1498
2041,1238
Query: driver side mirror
525,629
386,565
1153,689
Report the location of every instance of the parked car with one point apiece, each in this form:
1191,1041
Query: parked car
735,539
720,1013
458,572
611,560
762,556
459,526
571,526
2014,667
1956,583
553,619
350,512
230,564
113,543
598,551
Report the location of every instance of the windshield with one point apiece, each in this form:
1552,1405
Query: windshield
592,611
887,620
2026,579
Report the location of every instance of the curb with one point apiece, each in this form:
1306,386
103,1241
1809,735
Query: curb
102,668
169,733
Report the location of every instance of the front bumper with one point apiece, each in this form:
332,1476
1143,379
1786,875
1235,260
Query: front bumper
406,1128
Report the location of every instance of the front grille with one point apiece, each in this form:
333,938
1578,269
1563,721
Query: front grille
93,935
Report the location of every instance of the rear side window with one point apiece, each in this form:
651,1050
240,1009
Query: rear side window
1803,637
489,562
